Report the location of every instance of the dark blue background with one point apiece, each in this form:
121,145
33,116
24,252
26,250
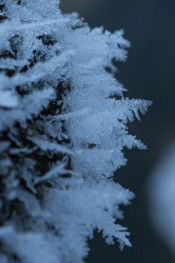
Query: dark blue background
149,74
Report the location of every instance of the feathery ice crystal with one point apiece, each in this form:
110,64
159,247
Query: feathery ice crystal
63,127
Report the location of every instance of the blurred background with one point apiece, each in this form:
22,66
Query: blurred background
149,74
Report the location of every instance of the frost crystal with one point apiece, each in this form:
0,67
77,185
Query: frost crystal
62,129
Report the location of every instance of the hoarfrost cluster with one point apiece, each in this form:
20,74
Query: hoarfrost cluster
63,127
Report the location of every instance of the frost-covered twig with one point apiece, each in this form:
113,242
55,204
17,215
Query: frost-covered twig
63,129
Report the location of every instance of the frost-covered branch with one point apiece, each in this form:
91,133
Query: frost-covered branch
63,128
